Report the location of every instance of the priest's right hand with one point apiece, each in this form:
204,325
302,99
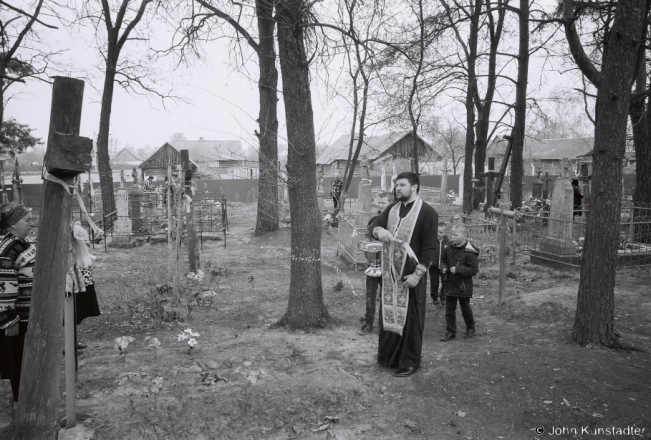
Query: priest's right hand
384,235
12,331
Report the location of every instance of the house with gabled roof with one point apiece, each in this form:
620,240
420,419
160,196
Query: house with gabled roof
544,155
224,158
375,148
126,157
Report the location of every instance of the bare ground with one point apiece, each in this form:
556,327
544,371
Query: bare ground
245,380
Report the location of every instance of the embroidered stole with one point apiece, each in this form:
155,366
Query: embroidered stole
395,295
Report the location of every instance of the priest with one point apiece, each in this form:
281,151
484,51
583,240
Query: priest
408,229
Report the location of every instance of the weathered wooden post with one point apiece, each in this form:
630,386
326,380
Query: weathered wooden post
67,156
169,218
193,254
177,246
502,255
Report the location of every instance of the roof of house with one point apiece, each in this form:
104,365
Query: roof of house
163,157
125,155
206,151
546,149
373,147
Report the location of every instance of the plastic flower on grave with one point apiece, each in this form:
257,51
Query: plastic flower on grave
192,342
123,342
189,332
182,337
154,342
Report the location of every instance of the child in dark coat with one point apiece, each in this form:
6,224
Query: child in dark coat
458,265
435,268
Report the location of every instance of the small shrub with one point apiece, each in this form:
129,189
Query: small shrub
339,286
512,275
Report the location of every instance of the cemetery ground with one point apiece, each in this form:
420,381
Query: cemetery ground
247,380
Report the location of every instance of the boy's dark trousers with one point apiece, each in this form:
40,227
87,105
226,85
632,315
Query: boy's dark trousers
434,276
372,285
451,313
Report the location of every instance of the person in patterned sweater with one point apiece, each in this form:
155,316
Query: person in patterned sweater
16,274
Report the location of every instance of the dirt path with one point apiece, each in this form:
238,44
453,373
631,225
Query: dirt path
247,381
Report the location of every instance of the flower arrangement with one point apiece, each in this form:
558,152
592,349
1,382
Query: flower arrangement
451,195
196,276
122,343
153,345
189,336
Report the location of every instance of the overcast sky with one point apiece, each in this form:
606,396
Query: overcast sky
222,102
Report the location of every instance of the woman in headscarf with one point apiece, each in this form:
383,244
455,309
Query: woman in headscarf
16,274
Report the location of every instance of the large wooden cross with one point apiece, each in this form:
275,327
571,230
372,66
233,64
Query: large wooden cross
67,156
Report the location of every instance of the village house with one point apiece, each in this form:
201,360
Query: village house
542,155
223,159
125,158
376,149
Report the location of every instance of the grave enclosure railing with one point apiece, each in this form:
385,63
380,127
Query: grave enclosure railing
149,216
530,235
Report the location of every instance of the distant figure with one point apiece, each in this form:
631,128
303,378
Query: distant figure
578,197
134,175
335,190
149,183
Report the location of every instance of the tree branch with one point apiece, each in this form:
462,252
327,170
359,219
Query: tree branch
230,20
26,14
576,48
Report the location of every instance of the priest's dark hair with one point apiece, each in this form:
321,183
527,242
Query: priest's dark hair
412,178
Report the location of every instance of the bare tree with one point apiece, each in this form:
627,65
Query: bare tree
450,140
363,66
517,134
472,13
115,24
594,321
21,56
232,14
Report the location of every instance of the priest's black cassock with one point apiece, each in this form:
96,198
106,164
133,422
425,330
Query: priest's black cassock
404,351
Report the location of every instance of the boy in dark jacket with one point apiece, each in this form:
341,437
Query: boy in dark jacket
458,265
435,268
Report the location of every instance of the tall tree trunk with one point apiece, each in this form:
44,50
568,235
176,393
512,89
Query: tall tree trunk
415,166
595,306
640,123
471,93
267,214
517,147
305,307
3,71
103,164
484,108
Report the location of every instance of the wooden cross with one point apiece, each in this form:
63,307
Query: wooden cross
67,156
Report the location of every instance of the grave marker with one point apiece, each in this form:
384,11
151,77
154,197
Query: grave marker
561,216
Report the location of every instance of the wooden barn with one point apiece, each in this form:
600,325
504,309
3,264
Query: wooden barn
157,163
378,148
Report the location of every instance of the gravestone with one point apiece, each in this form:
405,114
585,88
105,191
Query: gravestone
459,200
561,215
383,179
122,228
135,201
